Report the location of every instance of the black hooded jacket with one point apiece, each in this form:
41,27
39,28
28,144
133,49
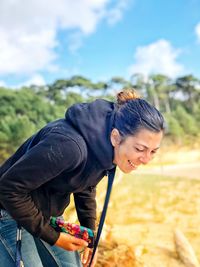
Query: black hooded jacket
67,156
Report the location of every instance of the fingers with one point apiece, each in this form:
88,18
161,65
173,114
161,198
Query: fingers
73,247
77,243
70,243
85,256
95,258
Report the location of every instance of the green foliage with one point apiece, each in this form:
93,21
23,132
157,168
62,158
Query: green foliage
189,86
72,98
173,128
7,98
186,121
27,109
22,112
13,131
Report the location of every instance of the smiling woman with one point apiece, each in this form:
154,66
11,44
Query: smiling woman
70,156
138,131
135,150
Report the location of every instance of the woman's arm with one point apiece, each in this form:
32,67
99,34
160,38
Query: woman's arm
85,203
86,210
38,166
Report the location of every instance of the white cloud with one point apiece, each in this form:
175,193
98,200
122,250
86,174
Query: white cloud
197,31
158,57
36,79
28,30
26,52
116,13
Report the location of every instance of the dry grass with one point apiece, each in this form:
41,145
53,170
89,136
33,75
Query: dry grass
115,254
143,214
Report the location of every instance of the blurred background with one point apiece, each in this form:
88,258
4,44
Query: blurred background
57,53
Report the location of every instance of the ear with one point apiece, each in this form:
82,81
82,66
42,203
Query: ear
115,137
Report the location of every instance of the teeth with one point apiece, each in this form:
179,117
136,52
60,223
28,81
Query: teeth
132,164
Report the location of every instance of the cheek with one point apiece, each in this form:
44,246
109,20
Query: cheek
127,155
123,153
120,156
130,155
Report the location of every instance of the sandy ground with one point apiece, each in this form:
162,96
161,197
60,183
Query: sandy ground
146,221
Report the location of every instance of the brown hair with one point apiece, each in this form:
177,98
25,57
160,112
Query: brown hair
134,113
128,94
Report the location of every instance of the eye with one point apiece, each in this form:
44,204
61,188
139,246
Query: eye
139,150
153,151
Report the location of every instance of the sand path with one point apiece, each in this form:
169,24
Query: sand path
188,170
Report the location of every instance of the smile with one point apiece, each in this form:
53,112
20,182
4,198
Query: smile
132,164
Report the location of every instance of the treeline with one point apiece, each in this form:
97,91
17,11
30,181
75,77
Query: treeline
24,110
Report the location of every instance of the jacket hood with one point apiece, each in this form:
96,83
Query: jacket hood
94,121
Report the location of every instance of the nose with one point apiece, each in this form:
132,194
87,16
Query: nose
145,159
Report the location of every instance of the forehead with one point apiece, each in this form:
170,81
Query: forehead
146,138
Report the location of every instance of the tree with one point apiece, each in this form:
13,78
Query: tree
118,83
189,87
13,131
160,88
21,113
186,121
138,82
174,129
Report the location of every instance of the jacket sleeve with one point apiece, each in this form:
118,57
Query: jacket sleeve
38,166
85,203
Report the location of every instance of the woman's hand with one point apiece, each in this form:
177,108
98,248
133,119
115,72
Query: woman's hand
86,256
70,243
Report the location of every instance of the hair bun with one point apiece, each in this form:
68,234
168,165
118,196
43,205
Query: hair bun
124,96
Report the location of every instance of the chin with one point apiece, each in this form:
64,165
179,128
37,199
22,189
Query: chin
125,170
128,171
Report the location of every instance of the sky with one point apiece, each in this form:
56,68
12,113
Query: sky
42,41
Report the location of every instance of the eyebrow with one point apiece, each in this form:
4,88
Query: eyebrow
147,146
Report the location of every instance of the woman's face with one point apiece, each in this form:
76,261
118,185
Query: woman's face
134,150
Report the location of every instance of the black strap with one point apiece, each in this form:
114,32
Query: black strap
111,176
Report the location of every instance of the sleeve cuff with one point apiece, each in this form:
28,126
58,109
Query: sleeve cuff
88,223
49,235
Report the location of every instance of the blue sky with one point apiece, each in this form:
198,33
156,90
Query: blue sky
41,41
